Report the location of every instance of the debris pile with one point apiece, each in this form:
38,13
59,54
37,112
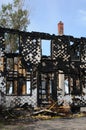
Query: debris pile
27,114
19,114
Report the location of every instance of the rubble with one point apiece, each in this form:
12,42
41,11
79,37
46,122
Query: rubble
27,114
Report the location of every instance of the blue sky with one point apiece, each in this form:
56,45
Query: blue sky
45,14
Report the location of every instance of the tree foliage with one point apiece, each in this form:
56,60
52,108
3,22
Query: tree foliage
15,16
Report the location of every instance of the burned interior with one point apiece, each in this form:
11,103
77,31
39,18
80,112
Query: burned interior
26,75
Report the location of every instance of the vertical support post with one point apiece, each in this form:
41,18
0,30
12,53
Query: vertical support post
74,85
69,83
54,87
39,94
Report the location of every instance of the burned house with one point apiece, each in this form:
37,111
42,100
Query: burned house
27,76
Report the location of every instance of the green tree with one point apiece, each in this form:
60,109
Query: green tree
15,16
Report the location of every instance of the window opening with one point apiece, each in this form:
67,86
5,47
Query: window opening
9,87
11,43
28,87
46,48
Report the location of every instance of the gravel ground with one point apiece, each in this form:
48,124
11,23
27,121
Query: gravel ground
53,124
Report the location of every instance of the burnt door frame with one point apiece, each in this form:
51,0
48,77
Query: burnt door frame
50,83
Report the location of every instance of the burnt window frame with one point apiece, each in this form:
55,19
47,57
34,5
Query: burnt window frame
14,76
